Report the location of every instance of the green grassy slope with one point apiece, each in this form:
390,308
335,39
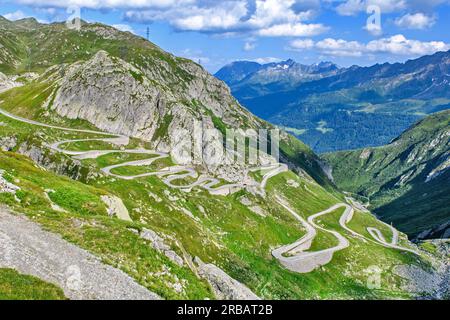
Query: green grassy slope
407,181
16,286
45,46
225,231
217,229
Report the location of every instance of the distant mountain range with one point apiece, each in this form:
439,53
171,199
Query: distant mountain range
407,181
288,73
96,127
333,108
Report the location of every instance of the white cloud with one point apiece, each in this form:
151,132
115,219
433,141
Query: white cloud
266,60
340,47
17,15
374,29
293,30
415,21
350,7
399,45
105,4
225,16
274,18
123,27
396,45
302,44
353,7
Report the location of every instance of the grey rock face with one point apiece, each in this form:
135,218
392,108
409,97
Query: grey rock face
7,83
8,143
43,157
224,287
430,285
116,207
121,98
6,186
152,104
159,244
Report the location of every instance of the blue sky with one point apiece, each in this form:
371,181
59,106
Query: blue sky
216,32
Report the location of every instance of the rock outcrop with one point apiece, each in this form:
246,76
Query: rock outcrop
116,207
119,97
6,186
224,287
159,244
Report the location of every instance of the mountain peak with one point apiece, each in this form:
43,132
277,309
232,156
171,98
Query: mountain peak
28,23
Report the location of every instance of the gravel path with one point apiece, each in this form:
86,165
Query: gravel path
24,246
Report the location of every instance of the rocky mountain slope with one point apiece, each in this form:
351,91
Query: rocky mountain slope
408,181
237,71
353,107
87,132
97,73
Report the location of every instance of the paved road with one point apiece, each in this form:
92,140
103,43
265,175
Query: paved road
24,246
295,256
170,173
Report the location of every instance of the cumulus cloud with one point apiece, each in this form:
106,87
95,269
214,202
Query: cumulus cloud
17,15
105,4
353,7
301,44
293,30
415,21
399,45
266,60
374,29
396,45
123,27
271,18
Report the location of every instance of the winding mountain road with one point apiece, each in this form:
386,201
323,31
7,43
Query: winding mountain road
294,257
170,173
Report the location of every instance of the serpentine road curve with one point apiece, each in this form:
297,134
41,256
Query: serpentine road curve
294,257
168,174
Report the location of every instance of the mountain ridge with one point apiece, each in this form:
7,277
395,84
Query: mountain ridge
158,82
406,181
351,103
